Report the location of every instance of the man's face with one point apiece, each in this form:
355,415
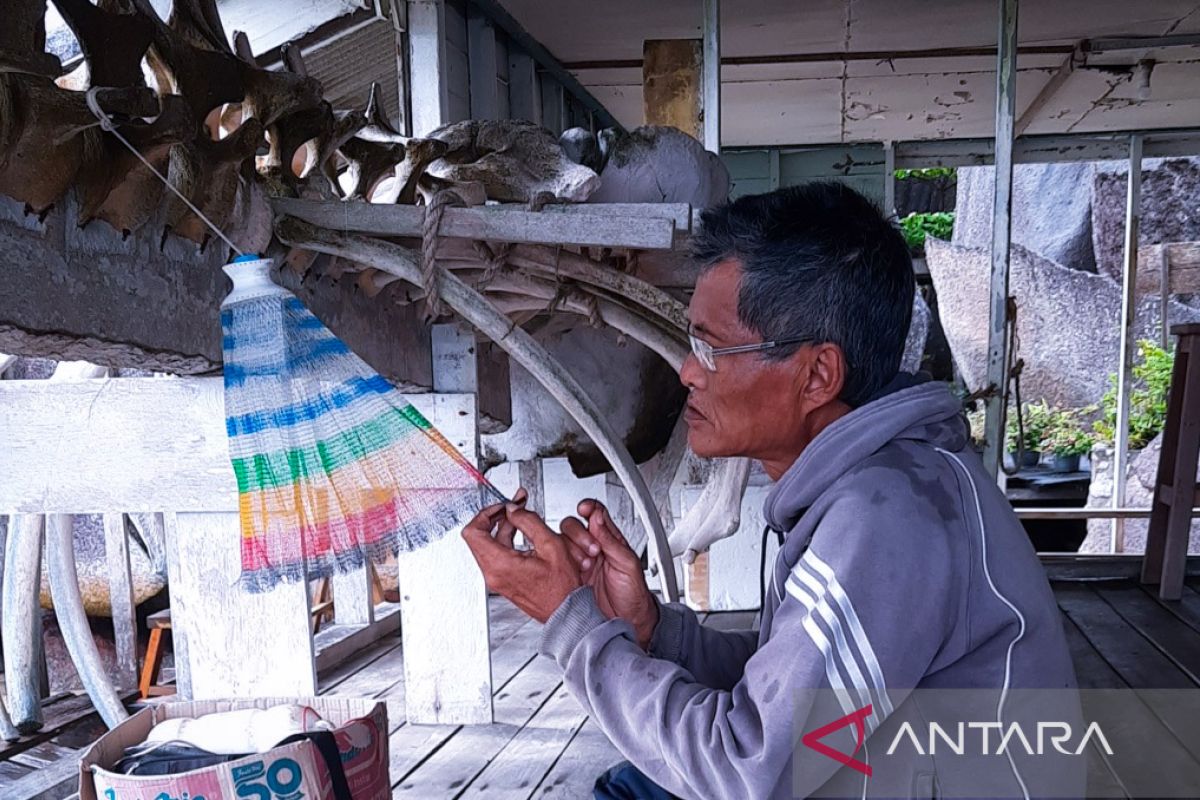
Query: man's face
750,406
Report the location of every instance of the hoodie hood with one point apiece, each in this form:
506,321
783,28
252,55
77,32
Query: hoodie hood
927,412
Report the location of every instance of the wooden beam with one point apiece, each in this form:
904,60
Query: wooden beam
554,103
120,593
1048,91
711,101
672,87
524,88
481,52
429,92
582,226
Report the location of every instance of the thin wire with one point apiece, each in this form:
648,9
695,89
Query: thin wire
106,123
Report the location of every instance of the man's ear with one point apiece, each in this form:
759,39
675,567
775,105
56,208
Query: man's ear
826,374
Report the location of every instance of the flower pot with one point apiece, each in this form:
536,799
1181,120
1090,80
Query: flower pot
1064,463
1029,458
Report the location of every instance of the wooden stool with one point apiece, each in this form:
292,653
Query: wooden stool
1176,492
148,684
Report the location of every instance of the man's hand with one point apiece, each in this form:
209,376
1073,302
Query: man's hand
537,581
610,566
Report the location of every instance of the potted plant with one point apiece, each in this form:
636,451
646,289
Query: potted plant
1066,440
1025,439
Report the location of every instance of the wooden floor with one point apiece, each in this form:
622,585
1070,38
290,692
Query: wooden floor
542,745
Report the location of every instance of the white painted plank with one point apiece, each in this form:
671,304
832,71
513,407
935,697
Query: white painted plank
352,604
574,775
455,367
120,591
587,224
429,87
135,444
444,606
179,631
529,756
243,644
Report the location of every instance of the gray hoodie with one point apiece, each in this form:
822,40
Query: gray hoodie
903,568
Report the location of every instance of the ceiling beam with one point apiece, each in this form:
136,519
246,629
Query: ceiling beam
1049,89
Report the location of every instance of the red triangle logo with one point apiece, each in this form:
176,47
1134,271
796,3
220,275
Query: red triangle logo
857,718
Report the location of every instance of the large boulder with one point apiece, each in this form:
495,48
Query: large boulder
659,164
1139,491
1051,211
1067,321
1170,211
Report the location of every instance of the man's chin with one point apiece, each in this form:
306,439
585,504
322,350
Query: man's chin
705,447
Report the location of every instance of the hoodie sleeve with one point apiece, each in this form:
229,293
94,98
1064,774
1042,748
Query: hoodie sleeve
715,658
845,625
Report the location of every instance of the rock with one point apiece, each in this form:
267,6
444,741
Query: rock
1067,321
1169,210
582,147
1139,491
658,164
918,334
1052,213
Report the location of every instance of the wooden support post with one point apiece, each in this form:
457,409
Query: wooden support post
481,52
524,88
672,84
711,108
120,594
443,600
554,104
1133,216
240,644
22,619
889,180
997,358
429,93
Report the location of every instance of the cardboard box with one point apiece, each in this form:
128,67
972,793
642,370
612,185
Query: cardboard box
285,773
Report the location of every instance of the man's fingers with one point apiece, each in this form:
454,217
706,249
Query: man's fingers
504,534
612,543
575,532
532,526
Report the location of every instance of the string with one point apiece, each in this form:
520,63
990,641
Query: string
106,123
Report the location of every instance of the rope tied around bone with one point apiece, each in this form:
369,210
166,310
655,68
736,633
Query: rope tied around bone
430,282
494,258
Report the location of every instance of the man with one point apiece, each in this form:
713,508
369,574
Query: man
902,566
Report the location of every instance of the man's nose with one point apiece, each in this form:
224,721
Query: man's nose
692,374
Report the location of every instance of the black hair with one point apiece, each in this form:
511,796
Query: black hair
818,260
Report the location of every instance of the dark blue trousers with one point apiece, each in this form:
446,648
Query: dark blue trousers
626,782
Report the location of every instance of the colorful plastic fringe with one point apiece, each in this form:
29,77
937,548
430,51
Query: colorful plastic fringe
333,465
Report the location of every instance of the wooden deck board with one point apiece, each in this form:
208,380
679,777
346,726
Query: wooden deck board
542,745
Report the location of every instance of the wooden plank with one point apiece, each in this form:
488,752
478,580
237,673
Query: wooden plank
1130,654
456,763
412,744
1176,768
444,606
45,754
585,758
1187,607
429,88
481,53
524,89
529,757
135,444
54,782
11,771
327,681
1174,638
120,592
253,644
589,225
337,643
352,602
1098,567
672,85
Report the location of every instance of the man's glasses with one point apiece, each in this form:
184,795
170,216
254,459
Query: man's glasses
706,354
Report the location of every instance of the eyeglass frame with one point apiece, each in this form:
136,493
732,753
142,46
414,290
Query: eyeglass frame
706,354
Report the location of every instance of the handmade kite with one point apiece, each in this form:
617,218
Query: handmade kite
333,465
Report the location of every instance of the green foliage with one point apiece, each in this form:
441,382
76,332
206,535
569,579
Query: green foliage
1065,434
1038,418
938,224
928,174
1147,398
